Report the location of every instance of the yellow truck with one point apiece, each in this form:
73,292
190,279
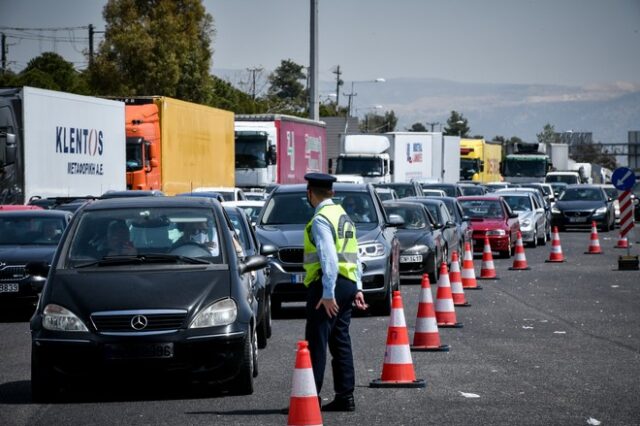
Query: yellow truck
480,160
176,146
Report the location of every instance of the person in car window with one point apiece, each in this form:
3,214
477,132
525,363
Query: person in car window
353,206
50,232
119,240
198,232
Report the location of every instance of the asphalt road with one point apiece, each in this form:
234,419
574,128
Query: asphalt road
559,344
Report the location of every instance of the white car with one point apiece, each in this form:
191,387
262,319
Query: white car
430,192
251,207
613,193
530,215
228,193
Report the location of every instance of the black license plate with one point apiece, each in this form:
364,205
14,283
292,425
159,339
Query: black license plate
9,288
151,350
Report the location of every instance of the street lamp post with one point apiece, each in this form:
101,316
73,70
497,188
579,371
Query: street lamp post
352,94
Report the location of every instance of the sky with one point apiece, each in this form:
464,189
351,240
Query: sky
551,42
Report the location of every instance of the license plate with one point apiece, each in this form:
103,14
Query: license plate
152,350
577,219
297,278
413,258
9,288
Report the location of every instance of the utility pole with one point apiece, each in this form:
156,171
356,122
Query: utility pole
338,73
253,72
4,53
91,32
433,125
314,104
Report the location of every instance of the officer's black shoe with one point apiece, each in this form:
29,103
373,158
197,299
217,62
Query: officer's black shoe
341,403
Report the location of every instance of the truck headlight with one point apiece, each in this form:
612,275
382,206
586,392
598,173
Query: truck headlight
498,232
57,318
222,312
371,250
601,210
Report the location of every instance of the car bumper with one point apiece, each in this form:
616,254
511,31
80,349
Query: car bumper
497,242
27,291
579,220
414,270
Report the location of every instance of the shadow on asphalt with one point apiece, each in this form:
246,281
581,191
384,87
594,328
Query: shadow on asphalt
237,412
10,314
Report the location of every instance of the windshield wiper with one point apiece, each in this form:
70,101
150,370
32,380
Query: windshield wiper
143,258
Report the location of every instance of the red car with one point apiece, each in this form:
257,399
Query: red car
14,207
491,216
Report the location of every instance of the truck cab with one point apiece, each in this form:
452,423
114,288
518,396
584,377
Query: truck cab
143,145
374,168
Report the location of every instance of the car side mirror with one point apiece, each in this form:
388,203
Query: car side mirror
513,215
38,271
466,219
253,263
395,220
268,250
450,224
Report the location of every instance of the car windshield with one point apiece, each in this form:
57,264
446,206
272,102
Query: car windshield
518,203
252,211
569,179
241,232
582,194
611,191
184,231
385,195
525,166
24,230
403,191
251,151
472,190
414,217
449,190
484,209
359,166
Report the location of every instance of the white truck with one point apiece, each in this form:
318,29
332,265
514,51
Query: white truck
55,144
399,157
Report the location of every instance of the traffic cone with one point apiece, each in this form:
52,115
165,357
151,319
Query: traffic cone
468,273
304,407
426,336
456,282
519,261
556,255
397,370
487,270
445,311
594,243
623,242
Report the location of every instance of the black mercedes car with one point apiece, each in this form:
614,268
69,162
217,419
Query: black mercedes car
146,285
26,236
421,243
579,205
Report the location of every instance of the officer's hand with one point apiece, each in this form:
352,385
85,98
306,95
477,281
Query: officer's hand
330,306
359,301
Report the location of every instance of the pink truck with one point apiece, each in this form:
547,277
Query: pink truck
275,148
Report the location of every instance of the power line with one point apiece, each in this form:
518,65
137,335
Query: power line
84,27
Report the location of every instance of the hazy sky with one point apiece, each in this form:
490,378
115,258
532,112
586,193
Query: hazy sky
566,42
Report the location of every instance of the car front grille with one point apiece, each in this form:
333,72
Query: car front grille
291,255
123,321
12,273
577,214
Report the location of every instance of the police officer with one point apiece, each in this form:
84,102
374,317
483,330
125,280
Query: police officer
333,280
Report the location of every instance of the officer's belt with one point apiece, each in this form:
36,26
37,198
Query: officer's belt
342,257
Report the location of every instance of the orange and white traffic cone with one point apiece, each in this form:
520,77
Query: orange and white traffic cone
520,261
468,273
556,255
304,407
456,282
397,369
426,336
488,269
623,242
445,311
594,242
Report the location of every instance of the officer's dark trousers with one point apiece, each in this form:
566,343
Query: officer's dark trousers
322,330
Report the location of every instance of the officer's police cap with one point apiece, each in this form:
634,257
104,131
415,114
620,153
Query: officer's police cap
319,180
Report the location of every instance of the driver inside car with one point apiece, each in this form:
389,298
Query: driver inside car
198,233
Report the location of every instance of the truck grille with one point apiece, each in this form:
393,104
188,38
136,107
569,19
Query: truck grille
12,273
122,322
291,255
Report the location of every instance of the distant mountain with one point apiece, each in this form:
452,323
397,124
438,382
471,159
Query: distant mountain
608,111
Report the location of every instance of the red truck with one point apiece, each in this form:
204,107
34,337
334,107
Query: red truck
275,148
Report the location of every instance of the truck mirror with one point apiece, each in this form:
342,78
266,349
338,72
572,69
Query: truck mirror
154,163
391,167
501,168
482,166
330,165
271,154
7,148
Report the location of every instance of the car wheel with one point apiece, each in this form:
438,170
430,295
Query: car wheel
434,275
507,253
276,307
44,383
262,326
243,383
383,307
269,318
534,242
543,241
445,255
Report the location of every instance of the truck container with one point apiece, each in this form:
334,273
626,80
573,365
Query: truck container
480,160
56,144
176,146
400,157
278,149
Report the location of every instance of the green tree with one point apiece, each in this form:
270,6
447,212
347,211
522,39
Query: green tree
548,135
417,127
286,92
594,153
375,123
227,97
332,110
155,47
457,125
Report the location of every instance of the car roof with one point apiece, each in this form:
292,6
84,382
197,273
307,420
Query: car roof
338,187
424,200
136,202
132,193
400,203
515,193
479,198
244,203
583,186
34,213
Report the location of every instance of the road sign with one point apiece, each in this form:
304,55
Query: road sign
626,213
623,178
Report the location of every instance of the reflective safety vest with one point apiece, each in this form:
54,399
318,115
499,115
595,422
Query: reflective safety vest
344,236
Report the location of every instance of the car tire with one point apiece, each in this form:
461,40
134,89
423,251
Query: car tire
383,307
435,273
543,241
269,324
506,254
44,383
243,382
276,307
534,241
264,324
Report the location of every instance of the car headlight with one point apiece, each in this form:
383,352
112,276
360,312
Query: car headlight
57,318
526,223
420,248
554,210
371,250
499,232
601,210
222,312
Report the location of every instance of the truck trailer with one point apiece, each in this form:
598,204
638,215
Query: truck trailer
400,157
480,160
59,145
278,149
176,146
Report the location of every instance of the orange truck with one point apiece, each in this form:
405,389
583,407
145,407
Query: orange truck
176,146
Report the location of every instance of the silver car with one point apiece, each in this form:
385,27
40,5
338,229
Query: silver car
530,215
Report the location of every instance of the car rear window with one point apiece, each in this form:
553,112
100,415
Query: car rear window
485,209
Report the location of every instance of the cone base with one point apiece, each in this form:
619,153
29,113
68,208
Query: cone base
555,261
451,325
593,252
487,278
441,348
520,269
464,305
478,287
378,383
